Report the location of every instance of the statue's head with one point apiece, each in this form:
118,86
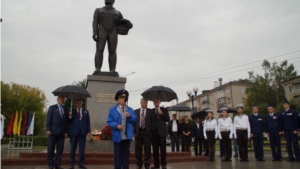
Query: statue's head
109,2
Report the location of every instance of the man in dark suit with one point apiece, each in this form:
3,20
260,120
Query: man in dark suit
142,133
257,124
174,133
289,127
80,128
161,116
56,129
273,131
197,132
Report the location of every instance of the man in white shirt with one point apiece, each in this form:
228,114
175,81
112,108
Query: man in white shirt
241,129
225,132
174,133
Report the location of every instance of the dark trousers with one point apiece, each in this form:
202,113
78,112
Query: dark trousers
121,154
275,145
74,140
242,139
291,139
198,141
58,141
227,149
235,146
175,141
258,142
143,140
221,148
159,144
206,147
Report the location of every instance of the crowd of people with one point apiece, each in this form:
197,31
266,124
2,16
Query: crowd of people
151,127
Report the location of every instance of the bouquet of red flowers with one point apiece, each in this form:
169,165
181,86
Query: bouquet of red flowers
106,133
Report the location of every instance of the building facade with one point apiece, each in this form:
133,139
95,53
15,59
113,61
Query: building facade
226,95
292,89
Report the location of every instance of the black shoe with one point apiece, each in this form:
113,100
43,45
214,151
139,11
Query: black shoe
58,167
235,156
220,156
83,167
290,160
71,167
50,167
229,160
155,168
164,167
297,160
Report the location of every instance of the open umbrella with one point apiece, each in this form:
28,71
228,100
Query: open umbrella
230,110
179,108
201,114
71,91
164,94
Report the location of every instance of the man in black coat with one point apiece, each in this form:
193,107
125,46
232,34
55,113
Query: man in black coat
174,133
197,132
142,133
161,117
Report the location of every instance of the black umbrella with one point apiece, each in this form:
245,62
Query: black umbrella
71,92
230,110
179,108
201,114
164,94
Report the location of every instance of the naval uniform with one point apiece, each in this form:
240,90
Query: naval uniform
225,133
210,134
272,126
241,129
257,125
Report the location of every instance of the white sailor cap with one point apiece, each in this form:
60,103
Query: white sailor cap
209,111
223,109
239,105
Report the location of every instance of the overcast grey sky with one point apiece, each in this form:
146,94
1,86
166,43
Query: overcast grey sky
48,43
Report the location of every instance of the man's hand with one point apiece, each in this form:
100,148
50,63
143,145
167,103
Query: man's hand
168,135
269,134
194,138
48,133
120,127
127,114
159,112
295,132
282,133
251,135
88,135
95,37
70,113
66,134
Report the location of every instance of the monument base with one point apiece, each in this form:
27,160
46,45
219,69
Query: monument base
102,90
99,73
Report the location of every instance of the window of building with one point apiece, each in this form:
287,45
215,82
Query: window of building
243,100
296,86
291,89
228,100
243,89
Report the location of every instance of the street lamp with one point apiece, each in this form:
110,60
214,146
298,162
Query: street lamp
191,96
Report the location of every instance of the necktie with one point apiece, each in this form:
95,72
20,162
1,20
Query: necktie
61,111
143,119
78,113
156,113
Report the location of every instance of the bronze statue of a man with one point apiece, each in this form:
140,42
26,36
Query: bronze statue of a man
107,24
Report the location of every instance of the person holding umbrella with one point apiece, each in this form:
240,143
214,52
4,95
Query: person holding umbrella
56,129
80,129
121,119
210,134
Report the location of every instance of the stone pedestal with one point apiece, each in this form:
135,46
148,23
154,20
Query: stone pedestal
102,90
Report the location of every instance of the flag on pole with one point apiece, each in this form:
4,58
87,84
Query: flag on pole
29,120
20,124
31,127
24,124
11,124
15,128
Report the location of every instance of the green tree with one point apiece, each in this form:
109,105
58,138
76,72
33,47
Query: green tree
18,97
68,101
267,88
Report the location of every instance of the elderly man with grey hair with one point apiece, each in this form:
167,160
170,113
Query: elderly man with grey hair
142,133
